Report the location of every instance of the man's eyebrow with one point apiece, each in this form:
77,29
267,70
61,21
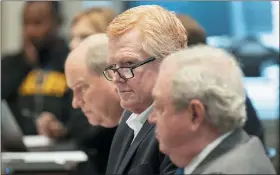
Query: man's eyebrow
127,59
122,58
78,83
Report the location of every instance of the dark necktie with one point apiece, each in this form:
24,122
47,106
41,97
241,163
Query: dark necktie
180,171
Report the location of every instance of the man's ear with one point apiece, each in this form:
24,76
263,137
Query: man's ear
197,112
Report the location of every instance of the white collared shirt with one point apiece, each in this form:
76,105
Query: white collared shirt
204,153
136,121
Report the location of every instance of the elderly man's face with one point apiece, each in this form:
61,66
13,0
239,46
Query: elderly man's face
92,94
135,93
172,126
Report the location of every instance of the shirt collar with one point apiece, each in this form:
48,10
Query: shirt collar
204,153
136,121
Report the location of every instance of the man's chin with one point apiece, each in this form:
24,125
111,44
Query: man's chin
130,105
104,124
109,125
178,161
126,104
94,122
163,149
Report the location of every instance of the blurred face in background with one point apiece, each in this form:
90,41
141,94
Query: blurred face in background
91,21
39,24
80,30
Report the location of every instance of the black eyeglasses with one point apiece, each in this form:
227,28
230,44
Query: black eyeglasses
125,72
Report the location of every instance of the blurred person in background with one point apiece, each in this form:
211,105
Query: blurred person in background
94,140
45,50
88,22
197,35
208,109
33,81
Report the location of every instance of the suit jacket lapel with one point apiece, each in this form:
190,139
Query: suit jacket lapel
147,127
236,138
118,143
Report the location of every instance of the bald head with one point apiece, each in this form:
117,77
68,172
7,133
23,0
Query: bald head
83,69
97,52
92,52
90,55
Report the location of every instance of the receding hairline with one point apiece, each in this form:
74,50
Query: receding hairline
93,41
76,57
79,55
96,50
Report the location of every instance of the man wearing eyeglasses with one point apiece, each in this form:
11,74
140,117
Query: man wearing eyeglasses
139,39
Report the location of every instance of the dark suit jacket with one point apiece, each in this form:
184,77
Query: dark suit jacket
95,141
237,154
142,156
253,125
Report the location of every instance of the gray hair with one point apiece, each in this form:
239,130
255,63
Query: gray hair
96,55
214,77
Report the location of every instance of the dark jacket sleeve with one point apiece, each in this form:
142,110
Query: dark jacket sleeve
79,128
253,124
85,134
13,71
78,125
95,141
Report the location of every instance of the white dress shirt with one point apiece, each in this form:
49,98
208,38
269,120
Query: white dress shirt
136,121
204,153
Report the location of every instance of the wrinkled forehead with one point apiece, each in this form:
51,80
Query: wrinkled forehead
124,48
164,81
161,93
75,71
75,76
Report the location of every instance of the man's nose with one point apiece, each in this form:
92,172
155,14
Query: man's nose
74,43
76,103
117,78
31,31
